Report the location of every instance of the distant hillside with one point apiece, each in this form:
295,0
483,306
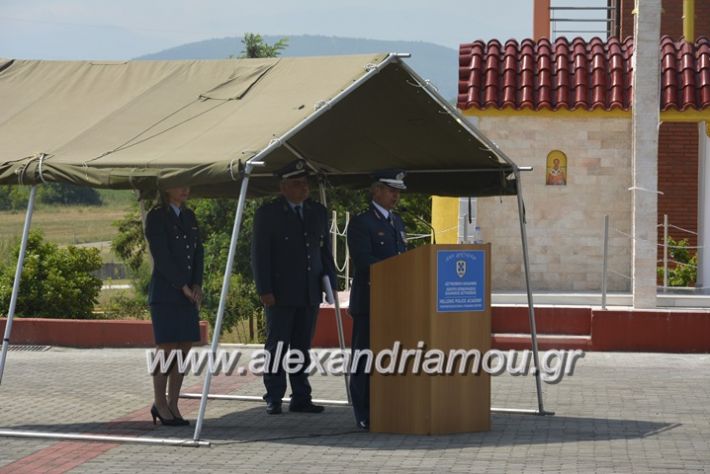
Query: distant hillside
436,63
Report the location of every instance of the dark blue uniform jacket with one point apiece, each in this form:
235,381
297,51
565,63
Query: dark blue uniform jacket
289,257
178,254
371,238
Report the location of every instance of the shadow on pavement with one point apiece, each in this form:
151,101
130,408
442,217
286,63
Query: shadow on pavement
336,427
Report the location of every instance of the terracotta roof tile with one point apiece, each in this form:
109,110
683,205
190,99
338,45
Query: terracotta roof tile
577,74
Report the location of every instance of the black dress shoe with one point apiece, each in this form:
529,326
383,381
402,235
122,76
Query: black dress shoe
307,407
163,421
273,408
363,425
180,421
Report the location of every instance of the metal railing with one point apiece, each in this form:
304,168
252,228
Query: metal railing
576,15
665,260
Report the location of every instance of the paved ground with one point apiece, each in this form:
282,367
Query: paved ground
618,413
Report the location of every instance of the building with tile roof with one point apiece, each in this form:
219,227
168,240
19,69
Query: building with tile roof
572,98
577,75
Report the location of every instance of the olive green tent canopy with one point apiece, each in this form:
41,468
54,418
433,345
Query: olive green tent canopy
154,124
224,127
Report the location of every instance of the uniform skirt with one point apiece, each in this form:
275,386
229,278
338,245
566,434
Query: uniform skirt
175,323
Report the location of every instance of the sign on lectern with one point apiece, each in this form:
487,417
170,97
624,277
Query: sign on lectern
461,283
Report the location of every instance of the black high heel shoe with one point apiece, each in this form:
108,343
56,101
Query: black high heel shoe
180,420
163,421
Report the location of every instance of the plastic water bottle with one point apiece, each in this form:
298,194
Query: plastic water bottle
477,236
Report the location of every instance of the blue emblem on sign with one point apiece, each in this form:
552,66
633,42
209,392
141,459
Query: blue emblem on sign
461,268
460,281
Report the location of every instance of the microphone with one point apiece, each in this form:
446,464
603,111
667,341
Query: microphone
404,210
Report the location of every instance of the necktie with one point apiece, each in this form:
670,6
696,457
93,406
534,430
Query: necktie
299,212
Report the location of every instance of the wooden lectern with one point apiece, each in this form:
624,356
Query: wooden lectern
439,294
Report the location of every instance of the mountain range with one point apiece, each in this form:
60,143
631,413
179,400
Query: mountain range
437,63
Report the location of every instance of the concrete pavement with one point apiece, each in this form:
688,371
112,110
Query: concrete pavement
619,412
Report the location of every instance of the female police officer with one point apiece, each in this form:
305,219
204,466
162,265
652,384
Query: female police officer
175,292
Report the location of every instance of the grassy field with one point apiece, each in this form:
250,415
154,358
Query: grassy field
108,293
65,225
70,225
117,198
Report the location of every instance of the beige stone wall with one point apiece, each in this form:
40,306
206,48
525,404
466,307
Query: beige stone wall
564,223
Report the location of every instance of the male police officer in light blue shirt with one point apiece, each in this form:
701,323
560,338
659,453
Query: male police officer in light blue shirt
374,235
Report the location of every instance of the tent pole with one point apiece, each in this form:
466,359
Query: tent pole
332,293
531,309
108,438
321,188
144,214
223,295
18,275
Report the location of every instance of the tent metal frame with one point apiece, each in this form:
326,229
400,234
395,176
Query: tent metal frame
251,163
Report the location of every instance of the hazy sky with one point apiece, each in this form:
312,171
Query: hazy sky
123,29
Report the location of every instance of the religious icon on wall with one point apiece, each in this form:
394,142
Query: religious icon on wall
556,174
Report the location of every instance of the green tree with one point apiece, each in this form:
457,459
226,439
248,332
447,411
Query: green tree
16,197
56,282
129,242
683,266
130,245
13,198
5,202
64,193
256,47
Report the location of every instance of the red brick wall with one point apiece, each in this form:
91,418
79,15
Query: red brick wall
702,18
627,19
678,179
671,18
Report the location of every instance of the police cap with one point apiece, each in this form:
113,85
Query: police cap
394,178
294,169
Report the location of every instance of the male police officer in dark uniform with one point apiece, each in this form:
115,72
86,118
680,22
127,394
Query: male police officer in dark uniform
290,253
374,235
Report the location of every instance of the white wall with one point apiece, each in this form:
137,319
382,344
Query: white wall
564,223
